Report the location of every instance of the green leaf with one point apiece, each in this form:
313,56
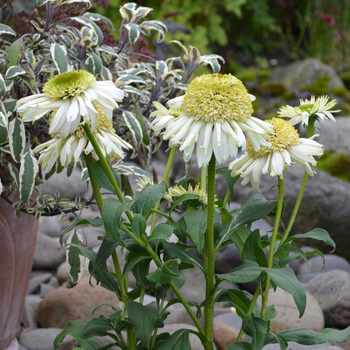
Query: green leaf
280,340
133,261
230,181
183,198
17,139
6,30
74,259
100,176
75,329
180,230
92,25
143,319
13,53
130,169
180,340
138,225
107,247
94,63
239,237
253,251
318,234
161,232
148,197
27,172
59,57
141,120
239,346
174,251
284,278
14,71
134,127
3,128
257,329
133,32
111,214
97,327
164,274
196,221
14,173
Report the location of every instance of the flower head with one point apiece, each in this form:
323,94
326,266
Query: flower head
314,108
286,148
177,191
163,117
73,95
215,111
71,147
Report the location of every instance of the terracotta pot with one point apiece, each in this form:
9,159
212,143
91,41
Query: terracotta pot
17,244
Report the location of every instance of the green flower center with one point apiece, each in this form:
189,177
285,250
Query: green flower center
306,107
284,137
217,98
175,112
68,85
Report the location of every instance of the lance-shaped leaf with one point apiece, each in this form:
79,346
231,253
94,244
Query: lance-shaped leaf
4,29
14,173
3,128
14,72
17,139
164,274
196,221
27,172
59,58
92,25
130,169
13,53
183,47
99,17
2,84
133,32
257,329
73,258
129,79
94,63
134,127
178,340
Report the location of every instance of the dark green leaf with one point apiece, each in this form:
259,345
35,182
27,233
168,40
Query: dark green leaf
96,327
107,247
180,230
257,329
27,173
177,341
164,274
196,222
138,225
100,176
253,251
183,198
74,259
161,232
239,237
239,346
230,181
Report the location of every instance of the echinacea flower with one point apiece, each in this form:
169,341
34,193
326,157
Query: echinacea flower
73,95
162,117
314,108
216,111
71,147
286,148
177,191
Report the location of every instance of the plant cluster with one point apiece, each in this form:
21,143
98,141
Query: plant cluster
67,99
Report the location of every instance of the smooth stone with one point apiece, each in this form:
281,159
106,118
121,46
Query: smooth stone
30,311
63,305
35,282
296,346
224,335
40,339
63,272
48,253
50,226
332,291
288,313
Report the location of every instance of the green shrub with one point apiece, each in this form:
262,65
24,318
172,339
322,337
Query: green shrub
276,89
340,91
318,87
338,164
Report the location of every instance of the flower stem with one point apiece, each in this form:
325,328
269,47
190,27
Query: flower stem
226,198
105,166
272,244
165,178
210,258
296,208
118,271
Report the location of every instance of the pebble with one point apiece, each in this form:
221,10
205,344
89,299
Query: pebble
30,311
50,226
224,335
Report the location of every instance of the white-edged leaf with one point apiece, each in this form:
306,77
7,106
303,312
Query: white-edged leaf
106,74
195,55
130,169
14,72
134,127
73,258
214,65
183,47
133,71
8,106
133,32
41,2
30,58
1,187
140,12
147,26
94,63
59,55
27,172
73,1
162,67
172,74
131,90
99,17
107,49
128,79
17,139
92,25
14,173
85,174
4,29
3,128
127,10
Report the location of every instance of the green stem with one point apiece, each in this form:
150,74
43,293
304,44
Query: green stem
249,312
272,244
165,178
118,271
226,198
296,208
204,177
105,166
210,259
163,214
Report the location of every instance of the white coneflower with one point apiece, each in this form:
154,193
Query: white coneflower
286,148
71,147
320,108
216,112
163,117
72,95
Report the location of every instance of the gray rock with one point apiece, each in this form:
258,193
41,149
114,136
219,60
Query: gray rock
231,319
227,259
63,271
50,226
303,73
296,346
326,201
35,282
30,311
48,253
40,339
332,262
332,291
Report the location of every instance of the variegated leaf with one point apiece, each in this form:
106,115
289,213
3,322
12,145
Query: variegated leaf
73,1
107,49
183,47
130,169
14,173
66,40
132,71
5,149
85,174
9,105
129,79
99,17
147,26
162,67
194,54
4,29
3,128
134,127
214,65
181,86
131,90
87,37
30,58
106,74
27,172
74,260
59,57
172,74
140,12
17,139
14,72
13,53
1,187
42,2
133,32
2,84
92,25
94,63
127,10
